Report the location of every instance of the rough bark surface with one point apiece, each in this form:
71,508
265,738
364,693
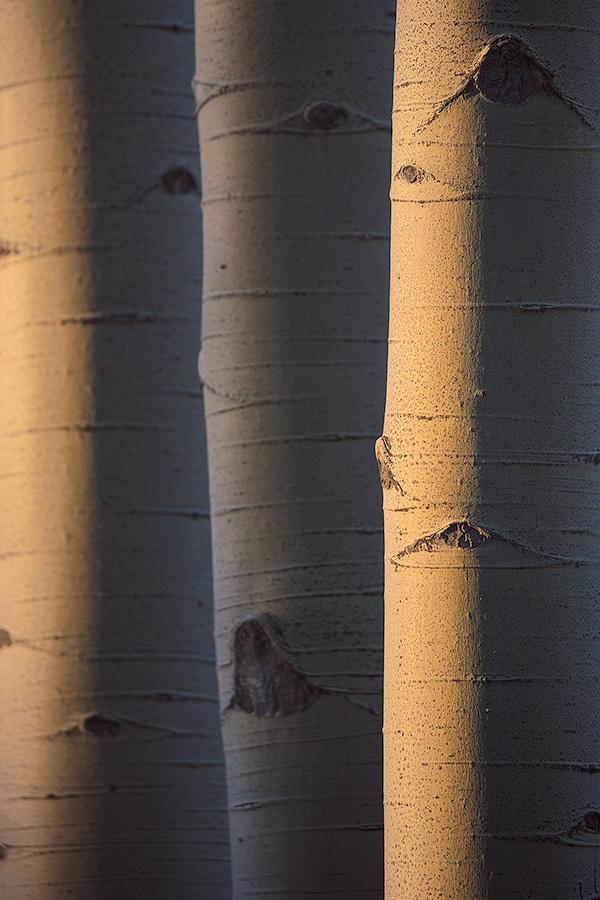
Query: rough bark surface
293,108
112,778
492,426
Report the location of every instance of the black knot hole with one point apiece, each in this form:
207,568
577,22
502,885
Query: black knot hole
178,181
101,726
266,683
409,173
509,72
591,822
324,115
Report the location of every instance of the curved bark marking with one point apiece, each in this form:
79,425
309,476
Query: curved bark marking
383,454
507,71
585,833
468,536
462,535
266,684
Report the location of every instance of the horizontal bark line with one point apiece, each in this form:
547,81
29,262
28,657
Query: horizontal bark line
20,254
154,655
190,764
324,828
304,533
166,25
286,339
307,566
33,254
160,731
276,293
584,767
92,426
552,458
491,679
529,25
334,437
47,79
513,567
236,748
481,197
401,110
109,595
227,370
314,595
165,695
116,317
283,131
238,402
508,305
29,851
535,836
206,89
185,512
351,649
104,789
465,415
287,504
509,145
290,505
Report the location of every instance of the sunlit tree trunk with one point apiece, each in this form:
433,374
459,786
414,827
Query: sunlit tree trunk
111,771
293,107
490,452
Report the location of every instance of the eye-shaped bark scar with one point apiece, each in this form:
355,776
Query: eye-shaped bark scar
470,536
507,71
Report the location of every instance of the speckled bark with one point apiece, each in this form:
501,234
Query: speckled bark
489,460
293,105
111,769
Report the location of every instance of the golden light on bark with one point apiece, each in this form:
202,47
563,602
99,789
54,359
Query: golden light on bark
492,429
110,755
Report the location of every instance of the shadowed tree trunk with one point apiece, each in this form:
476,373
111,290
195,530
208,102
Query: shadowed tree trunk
489,455
111,765
293,104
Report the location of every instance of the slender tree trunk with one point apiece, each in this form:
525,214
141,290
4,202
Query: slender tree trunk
489,459
111,770
293,115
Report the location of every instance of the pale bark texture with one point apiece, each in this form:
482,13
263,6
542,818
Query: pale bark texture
112,780
490,454
293,110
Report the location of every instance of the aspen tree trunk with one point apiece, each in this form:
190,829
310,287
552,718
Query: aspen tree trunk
109,747
294,125
490,452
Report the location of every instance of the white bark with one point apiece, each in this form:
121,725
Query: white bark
489,462
109,747
293,104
